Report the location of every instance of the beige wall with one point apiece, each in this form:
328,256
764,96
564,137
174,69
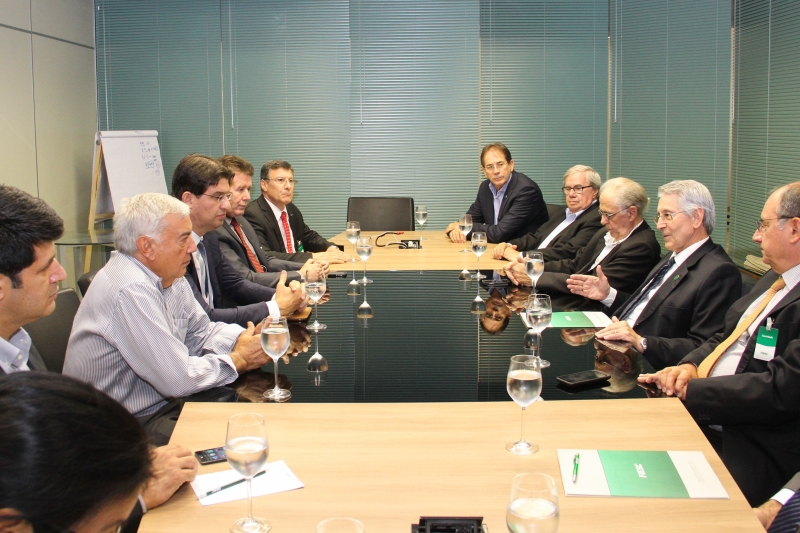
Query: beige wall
48,109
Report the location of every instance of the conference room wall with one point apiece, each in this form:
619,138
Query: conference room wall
48,105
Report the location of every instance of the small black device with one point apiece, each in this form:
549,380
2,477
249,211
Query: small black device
587,377
340,247
211,456
338,275
490,283
652,390
435,524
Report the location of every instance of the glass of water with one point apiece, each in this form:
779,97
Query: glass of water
275,341
523,383
353,232
539,311
534,267
533,505
478,247
315,289
340,525
247,449
364,250
465,226
421,214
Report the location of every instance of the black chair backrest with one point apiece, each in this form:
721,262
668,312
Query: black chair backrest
554,209
50,334
382,213
86,280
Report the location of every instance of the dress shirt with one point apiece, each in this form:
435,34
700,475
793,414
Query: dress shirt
789,490
729,361
142,344
571,217
277,212
201,266
498,196
14,352
611,243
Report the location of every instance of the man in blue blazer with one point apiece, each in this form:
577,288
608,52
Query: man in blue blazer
509,203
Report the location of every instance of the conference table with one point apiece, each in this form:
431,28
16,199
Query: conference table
412,416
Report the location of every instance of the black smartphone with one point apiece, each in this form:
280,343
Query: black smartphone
211,456
579,379
337,275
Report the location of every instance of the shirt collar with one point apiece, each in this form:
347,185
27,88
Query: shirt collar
609,240
791,277
687,252
275,209
196,238
502,189
579,213
152,276
17,349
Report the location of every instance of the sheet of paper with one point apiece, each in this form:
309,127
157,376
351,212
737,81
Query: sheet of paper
279,478
591,479
698,476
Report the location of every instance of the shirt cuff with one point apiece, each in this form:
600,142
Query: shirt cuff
783,496
612,295
274,310
144,507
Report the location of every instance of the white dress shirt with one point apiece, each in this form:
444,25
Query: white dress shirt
571,217
202,272
277,212
14,352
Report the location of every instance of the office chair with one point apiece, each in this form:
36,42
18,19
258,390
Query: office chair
553,210
86,280
50,334
382,213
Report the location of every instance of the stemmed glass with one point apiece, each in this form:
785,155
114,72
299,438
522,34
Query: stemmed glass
523,383
465,226
353,231
364,250
539,311
478,247
533,505
247,448
275,341
340,525
534,267
421,214
315,289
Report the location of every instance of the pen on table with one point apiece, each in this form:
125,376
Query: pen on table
229,485
575,462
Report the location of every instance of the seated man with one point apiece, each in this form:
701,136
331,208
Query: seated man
743,384
626,249
203,184
769,511
683,300
279,223
238,240
562,236
509,203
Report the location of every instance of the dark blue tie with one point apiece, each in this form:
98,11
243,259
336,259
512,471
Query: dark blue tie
657,279
788,518
201,247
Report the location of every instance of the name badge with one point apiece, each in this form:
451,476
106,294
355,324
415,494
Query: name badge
765,344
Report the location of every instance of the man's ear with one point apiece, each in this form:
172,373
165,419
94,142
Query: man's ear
146,246
188,198
5,286
794,225
11,523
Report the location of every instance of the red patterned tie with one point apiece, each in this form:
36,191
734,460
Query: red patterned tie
250,253
285,222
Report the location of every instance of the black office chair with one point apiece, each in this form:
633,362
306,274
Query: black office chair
86,280
382,213
554,209
50,334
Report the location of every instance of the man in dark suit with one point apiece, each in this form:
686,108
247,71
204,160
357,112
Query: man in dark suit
238,240
509,203
570,229
203,184
279,223
683,300
626,249
768,511
743,384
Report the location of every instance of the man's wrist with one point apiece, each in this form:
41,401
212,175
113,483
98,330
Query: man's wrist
642,344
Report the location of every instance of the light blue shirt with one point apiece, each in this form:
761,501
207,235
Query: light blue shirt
498,197
14,353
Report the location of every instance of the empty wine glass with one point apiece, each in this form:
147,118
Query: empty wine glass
478,247
539,312
364,250
247,448
353,231
340,525
421,214
275,341
533,505
534,267
523,383
465,226
317,366
315,289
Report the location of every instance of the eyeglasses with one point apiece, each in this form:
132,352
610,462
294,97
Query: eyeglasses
578,189
219,197
760,226
282,181
500,165
668,216
609,216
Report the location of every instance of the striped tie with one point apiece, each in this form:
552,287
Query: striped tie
285,222
788,518
251,255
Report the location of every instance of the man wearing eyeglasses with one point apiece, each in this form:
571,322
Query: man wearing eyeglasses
743,384
279,223
684,298
564,234
509,203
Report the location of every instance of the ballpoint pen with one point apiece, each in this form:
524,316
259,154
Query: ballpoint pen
229,485
575,462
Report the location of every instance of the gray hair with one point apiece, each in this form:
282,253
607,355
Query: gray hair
692,195
144,215
789,204
595,181
628,193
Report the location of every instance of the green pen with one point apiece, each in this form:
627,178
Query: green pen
575,462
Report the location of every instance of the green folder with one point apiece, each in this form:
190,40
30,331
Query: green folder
578,319
644,474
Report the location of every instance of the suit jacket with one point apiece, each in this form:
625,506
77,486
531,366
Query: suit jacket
522,211
758,406
35,361
566,244
236,300
625,266
234,251
260,215
688,308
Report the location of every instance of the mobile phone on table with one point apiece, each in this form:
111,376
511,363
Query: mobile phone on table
211,456
586,377
338,275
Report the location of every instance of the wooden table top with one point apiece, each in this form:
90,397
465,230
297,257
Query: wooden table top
388,464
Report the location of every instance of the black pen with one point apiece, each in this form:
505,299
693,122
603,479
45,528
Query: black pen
229,485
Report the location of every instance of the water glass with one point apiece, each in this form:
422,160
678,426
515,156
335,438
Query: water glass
340,525
465,226
247,449
479,244
533,507
523,383
353,232
275,340
534,266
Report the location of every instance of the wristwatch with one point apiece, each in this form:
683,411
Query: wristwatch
643,342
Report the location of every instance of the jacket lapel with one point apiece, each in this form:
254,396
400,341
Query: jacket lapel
512,184
272,222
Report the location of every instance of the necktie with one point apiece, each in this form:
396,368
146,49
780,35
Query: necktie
288,232
657,279
250,253
711,360
788,518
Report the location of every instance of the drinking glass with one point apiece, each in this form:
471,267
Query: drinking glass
478,247
353,231
533,505
523,383
340,525
247,448
534,267
275,341
539,311
421,214
364,250
315,289
465,226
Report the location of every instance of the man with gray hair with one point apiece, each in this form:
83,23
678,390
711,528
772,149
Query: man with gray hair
139,335
684,298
